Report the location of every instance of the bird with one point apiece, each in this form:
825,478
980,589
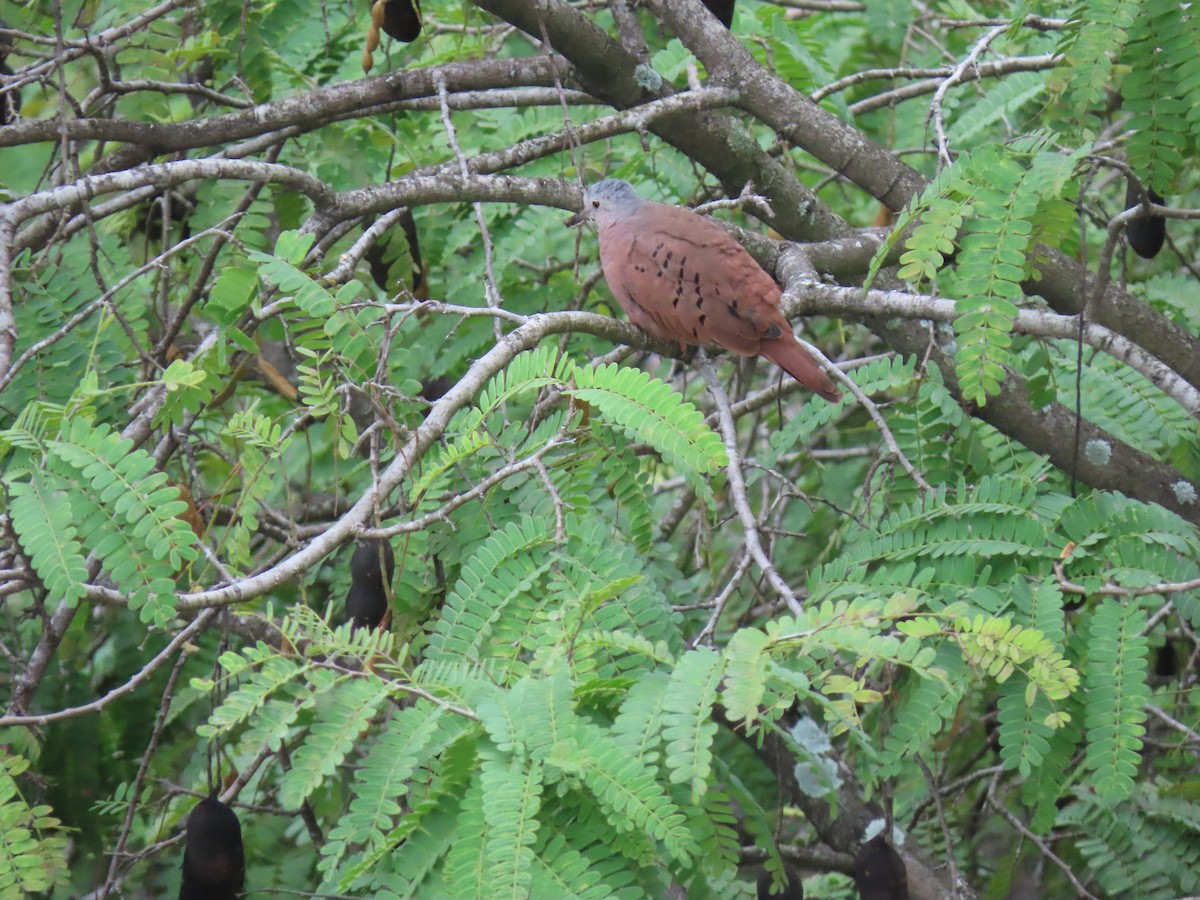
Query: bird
214,862
1146,235
680,276
793,890
371,569
722,9
879,871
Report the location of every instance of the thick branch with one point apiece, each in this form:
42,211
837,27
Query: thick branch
309,110
1063,283
523,338
608,71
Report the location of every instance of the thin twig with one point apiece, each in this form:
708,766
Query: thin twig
737,486
718,602
137,679
491,290
936,793
143,767
873,411
1082,892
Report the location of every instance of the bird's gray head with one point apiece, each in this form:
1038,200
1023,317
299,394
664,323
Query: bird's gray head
606,200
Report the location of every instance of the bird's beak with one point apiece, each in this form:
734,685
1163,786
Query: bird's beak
578,219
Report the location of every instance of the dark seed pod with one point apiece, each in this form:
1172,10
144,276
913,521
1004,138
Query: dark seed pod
371,569
366,606
722,9
10,100
1145,236
214,863
402,19
372,563
879,871
6,44
793,890
379,254
1166,661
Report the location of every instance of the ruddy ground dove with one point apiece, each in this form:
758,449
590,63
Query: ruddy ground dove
680,276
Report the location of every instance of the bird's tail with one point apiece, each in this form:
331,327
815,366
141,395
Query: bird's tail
787,353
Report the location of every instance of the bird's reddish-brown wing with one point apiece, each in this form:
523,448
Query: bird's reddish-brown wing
680,276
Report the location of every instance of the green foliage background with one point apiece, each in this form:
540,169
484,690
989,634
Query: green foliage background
555,712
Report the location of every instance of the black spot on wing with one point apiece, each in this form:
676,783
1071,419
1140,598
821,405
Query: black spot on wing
659,248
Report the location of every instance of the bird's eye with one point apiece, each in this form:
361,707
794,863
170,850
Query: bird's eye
595,204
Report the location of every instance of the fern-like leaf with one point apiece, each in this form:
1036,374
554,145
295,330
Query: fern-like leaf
560,872
999,647
1162,60
931,222
1024,734
932,240
926,705
343,715
149,582
628,792
511,797
41,516
747,667
1116,697
466,870
626,482
687,722
637,728
717,836
530,371
1093,39
1043,791
999,105
122,476
280,269
499,573
419,732
267,673
649,410
33,850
